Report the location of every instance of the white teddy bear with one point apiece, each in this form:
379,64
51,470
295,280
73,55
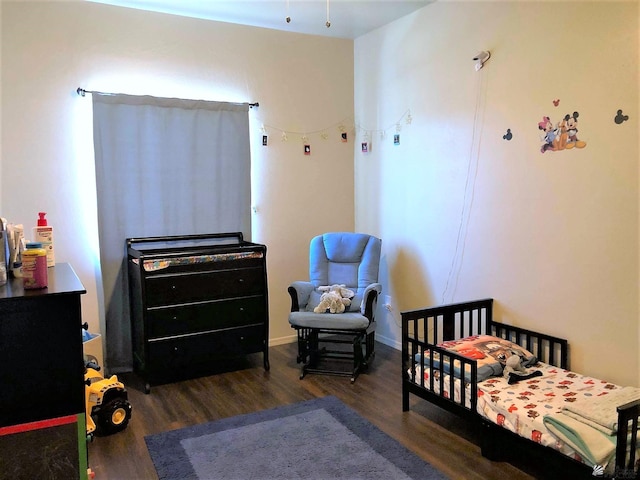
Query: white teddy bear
335,299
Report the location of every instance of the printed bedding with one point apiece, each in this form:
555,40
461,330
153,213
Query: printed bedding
522,407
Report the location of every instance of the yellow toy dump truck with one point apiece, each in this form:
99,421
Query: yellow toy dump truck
106,400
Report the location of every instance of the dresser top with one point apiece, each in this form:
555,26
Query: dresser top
62,280
188,245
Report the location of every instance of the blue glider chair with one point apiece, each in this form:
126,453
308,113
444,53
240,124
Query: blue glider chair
350,259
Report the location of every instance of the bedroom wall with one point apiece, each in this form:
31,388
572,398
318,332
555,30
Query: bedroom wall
465,213
303,84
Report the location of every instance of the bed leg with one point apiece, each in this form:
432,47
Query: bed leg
489,444
405,397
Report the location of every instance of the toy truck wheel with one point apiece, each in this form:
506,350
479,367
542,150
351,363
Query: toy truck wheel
114,416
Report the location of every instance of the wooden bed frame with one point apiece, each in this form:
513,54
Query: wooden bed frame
424,328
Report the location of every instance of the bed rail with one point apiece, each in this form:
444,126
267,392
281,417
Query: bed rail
433,381
448,322
627,463
546,348
422,330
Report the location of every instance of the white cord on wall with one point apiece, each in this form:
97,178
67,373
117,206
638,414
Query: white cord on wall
469,188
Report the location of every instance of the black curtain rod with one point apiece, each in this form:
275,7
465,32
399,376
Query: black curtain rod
82,92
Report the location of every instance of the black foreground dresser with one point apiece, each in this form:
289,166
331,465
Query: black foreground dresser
43,431
195,301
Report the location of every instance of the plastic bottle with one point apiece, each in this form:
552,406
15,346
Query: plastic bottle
4,251
3,260
17,269
43,234
34,266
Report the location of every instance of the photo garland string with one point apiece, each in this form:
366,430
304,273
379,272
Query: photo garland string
343,128
368,134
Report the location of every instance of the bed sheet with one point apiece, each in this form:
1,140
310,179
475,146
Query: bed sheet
521,407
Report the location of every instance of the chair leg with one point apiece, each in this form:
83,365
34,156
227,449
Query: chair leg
370,348
307,349
358,357
314,358
304,346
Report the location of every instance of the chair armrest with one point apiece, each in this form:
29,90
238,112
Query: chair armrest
369,300
299,293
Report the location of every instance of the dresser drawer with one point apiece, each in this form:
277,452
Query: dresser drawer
202,317
175,354
186,288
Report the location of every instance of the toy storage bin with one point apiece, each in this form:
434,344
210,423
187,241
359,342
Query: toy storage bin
92,346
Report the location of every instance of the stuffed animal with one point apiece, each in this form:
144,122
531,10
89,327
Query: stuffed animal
335,298
514,371
514,365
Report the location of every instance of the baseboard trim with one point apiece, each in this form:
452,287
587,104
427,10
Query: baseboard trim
283,340
389,341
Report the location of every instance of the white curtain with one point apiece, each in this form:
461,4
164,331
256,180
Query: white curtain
163,167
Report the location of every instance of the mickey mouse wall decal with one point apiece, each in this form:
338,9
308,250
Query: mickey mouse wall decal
562,135
571,126
556,102
619,118
508,135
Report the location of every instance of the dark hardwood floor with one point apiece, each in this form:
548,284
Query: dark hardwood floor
441,439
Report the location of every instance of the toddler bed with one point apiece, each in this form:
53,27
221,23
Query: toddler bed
454,357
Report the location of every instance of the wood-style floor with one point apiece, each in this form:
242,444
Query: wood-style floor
433,434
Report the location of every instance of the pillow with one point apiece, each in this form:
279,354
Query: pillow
314,300
490,353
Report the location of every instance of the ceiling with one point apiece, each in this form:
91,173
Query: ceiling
348,18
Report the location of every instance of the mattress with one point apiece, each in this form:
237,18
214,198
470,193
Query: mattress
521,407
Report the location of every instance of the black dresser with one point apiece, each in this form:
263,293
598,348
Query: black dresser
195,301
42,393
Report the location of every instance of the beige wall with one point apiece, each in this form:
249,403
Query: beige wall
303,84
552,237
464,213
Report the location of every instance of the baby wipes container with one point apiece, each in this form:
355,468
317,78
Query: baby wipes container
34,266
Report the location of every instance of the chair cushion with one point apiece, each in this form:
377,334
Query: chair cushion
343,258
345,247
342,321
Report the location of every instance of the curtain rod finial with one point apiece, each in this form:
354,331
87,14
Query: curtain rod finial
81,91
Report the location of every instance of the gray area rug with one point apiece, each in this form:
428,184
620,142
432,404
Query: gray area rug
317,439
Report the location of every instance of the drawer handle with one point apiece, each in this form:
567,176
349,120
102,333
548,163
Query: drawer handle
241,280
173,287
